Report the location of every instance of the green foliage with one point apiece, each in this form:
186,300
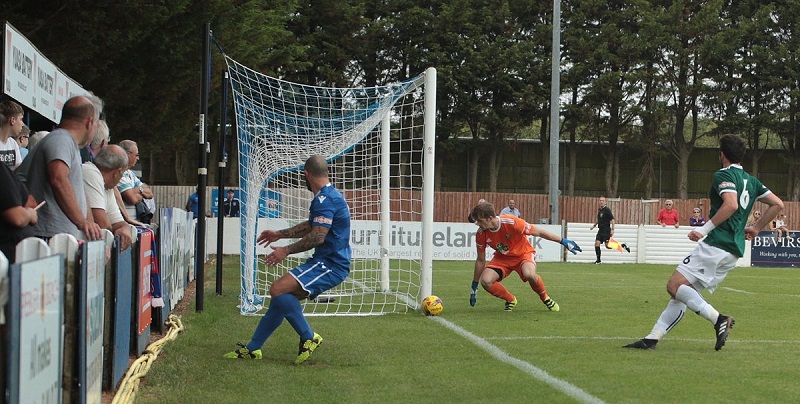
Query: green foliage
645,72
411,358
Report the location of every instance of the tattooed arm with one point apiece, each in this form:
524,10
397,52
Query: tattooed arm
299,230
312,236
311,239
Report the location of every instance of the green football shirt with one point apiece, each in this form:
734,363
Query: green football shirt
729,235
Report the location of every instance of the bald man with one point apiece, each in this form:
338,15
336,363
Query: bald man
53,173
327,231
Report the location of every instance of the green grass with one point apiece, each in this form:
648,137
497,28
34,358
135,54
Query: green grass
411,358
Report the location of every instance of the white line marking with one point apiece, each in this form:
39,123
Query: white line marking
572,337
756,293
538,374
738,291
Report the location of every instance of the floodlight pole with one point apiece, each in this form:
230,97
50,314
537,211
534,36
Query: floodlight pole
555,106
202,172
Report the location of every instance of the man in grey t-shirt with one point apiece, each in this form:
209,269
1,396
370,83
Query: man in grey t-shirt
53,172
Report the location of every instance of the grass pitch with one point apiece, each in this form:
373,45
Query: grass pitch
483,354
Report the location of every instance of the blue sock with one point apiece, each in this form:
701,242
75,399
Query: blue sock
270,322
293,311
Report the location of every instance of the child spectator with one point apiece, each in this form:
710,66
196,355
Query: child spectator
780,225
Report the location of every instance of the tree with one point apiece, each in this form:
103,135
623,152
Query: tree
613,65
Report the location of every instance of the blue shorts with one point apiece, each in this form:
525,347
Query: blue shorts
316,277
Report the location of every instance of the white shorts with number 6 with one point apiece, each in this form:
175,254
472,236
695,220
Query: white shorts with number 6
707,266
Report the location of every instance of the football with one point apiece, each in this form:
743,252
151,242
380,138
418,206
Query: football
432,306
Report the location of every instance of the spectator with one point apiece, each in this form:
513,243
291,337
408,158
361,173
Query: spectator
753,218
469,217
100,140
22,142
101,178
10,127
230,207
35,138
86,152
192,204
52,173
17,216
133,190
697,218
780,225
511,209
668,216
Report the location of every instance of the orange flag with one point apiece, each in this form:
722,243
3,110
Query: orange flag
615,245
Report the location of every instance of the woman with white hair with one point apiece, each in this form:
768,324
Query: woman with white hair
35,138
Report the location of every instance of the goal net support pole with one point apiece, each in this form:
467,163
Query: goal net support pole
429,163
379,145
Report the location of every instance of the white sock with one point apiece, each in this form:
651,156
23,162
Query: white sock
695,302
669,318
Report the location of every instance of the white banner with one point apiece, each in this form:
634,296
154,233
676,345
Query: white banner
451,241
18,72
32,79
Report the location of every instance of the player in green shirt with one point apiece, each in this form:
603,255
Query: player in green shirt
733,193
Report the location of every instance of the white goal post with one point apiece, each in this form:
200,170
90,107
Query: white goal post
379,144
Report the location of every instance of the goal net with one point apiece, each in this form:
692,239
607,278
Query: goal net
379,144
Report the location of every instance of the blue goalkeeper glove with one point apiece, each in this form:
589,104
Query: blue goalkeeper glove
473,297
570,246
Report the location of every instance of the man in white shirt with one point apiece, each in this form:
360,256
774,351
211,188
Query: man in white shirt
100,178
133,190
511,209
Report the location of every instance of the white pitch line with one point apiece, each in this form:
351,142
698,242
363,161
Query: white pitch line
756,293
572,337
738,291
538,374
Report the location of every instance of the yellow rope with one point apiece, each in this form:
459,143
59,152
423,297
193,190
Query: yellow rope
127,388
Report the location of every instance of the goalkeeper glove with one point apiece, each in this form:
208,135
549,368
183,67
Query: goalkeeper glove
570,246
473,297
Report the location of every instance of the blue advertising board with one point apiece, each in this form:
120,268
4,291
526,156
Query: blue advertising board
36,337
769,250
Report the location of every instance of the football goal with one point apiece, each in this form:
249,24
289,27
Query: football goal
379,144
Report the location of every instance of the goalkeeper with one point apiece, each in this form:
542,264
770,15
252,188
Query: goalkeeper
327,231
507,235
